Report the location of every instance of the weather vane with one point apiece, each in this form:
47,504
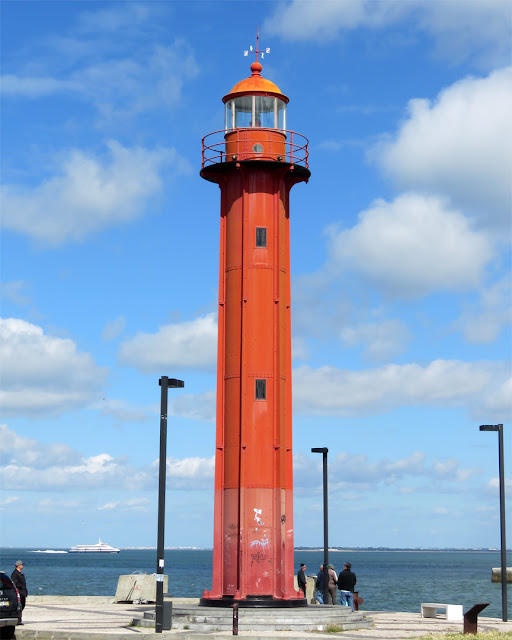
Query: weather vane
257,51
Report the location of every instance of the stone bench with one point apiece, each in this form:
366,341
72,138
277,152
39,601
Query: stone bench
453,611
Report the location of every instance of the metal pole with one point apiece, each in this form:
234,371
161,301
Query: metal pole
235,619
326,529
324,451
504,613
159,610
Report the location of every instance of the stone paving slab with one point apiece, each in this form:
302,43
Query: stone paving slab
78,620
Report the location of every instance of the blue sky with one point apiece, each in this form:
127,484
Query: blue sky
400,264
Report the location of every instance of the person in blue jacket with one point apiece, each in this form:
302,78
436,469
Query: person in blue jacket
320,586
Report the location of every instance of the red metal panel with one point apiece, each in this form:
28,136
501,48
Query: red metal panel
253,538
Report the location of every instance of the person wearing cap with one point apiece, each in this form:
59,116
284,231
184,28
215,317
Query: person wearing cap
346,583
301,578
20,583
333,582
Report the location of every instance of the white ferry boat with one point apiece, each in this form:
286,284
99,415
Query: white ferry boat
100,547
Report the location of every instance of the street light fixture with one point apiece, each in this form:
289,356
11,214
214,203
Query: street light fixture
499,429
323,451
165,383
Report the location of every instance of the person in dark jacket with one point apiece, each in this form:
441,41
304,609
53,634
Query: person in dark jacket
20,583
346,583
301,578
320,586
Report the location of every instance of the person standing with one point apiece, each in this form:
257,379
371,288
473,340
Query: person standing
301,578
319,594
20,583
333,581
346,583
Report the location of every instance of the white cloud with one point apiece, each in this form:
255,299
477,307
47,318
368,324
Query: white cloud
299,348
493,485
321,20
42,374
441,511
320,305
189,472
29,465
191,345
28,87
109,506
469,29
55,505
111,58
8,502
89,193
406,490
122,410
459,146
33,453
499,399
195,406
356,472
13,291
456,25
483,322
449,468
380,340
412,246
442,383
113,329
135,85
127,17
135,504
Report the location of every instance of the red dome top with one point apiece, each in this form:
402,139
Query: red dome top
255,85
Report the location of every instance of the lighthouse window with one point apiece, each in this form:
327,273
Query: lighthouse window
265,111
281,114
243,111
261,236
230,115
261,389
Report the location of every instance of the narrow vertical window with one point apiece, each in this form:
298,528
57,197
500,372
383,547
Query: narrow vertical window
261,236
261,389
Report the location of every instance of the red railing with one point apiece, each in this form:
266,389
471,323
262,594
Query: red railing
214,146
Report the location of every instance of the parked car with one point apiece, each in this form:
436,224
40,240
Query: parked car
10,607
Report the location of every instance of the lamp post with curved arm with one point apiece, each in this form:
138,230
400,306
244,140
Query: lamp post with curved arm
165,384
323,451
499,429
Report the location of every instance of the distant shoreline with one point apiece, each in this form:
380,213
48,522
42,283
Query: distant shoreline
385,550
302,549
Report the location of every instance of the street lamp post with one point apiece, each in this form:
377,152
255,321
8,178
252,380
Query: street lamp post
499,429
323,451
165,383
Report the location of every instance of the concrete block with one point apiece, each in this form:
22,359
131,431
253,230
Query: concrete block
138,586
496,574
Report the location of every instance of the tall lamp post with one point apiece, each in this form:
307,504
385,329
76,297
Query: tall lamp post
165,383
499,429
323,451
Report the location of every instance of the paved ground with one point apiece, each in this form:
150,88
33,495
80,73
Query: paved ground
100,619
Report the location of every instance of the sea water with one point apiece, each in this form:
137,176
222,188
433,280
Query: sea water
386,580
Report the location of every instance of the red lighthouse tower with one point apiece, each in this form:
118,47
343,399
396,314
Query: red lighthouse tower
255,161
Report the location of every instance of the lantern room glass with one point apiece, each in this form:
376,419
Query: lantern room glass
255,111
